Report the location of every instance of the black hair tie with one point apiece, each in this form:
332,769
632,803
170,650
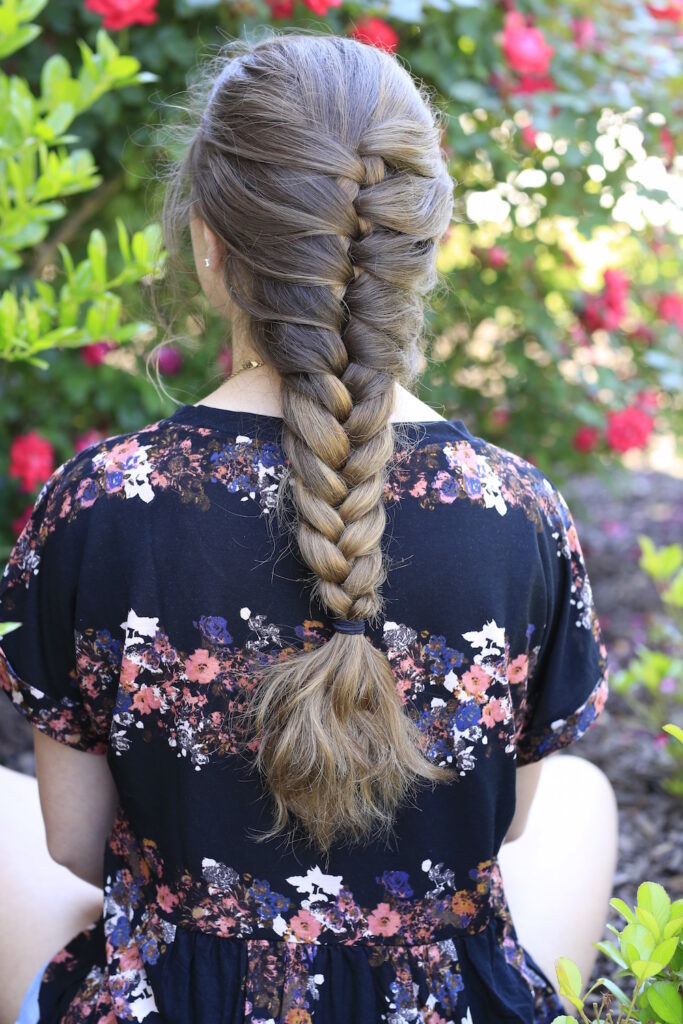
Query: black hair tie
349,625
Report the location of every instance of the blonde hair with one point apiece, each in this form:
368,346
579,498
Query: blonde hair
317,161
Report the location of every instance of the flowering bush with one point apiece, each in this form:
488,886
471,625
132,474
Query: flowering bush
558,330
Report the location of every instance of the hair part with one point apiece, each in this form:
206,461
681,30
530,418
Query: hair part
317,161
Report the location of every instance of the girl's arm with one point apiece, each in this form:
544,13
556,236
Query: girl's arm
78,799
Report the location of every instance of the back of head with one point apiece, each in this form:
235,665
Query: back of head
317,161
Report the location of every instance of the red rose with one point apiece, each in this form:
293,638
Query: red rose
584,32
20,522
118,14
528,136
281,8
586,439
666,141
627,429
321,7
170,360
497,257
671,13
670,308
32,459
93,355
377,33
525,47
595,316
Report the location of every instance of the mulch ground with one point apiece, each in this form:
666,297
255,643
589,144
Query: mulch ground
609,515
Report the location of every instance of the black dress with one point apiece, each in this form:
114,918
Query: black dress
148,578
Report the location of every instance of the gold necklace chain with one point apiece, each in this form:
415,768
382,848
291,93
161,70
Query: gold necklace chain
250,364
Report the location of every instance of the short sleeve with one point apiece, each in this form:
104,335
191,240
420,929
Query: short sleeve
39,661
568,683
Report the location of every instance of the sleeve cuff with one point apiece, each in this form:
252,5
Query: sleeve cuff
66,721
543,740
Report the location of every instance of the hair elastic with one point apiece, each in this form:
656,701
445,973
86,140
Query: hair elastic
349,625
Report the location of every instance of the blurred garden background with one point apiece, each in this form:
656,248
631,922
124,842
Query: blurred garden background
557,331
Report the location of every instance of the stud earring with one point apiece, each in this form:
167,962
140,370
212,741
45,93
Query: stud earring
207,261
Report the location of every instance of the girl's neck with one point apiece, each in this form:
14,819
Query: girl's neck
258,390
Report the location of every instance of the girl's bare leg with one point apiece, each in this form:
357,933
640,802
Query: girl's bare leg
42,905
559,874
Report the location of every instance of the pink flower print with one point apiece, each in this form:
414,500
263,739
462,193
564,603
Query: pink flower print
201,667
120,452
493,712
476,680
130,959
166,899
420,487
128,671
601,696
146,700
517,669
305,926
383,920
446,486
86,493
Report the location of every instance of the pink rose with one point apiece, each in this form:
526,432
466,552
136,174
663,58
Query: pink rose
476,680
93,355
376,32
670,308
31,460
586,439
584,32
629,428
524,46
118,14
305,926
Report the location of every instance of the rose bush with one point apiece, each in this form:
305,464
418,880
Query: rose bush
561,306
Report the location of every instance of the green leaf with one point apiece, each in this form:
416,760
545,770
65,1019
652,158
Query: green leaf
14,41
55,71
623,909
674,730
610,950
569,977
8,627
124,240
60,118
674,594
666,1001
664,951
653,897
659,563
28,9
643,969
97,254
647,918
564,1019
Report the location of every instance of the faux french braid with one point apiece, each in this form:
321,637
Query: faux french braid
317,161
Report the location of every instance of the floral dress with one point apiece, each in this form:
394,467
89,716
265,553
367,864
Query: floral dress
149,578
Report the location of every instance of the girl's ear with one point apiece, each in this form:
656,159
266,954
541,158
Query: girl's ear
213,246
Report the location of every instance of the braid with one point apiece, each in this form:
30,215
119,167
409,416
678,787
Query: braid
332,290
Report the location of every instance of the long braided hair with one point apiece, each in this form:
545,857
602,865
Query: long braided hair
317,161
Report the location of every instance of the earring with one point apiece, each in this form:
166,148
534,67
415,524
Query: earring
207,261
